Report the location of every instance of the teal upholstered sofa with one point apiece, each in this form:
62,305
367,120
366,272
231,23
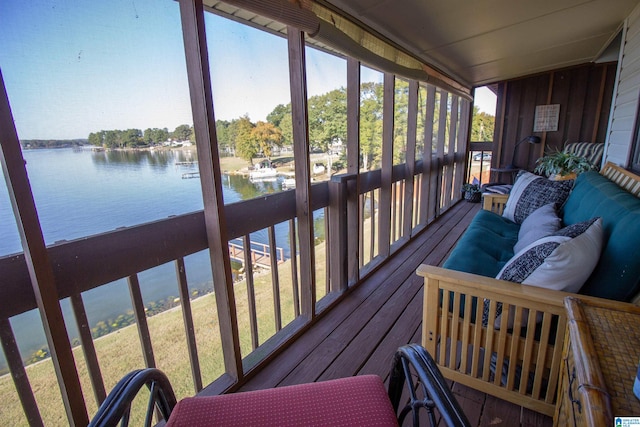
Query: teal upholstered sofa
458,339
487,245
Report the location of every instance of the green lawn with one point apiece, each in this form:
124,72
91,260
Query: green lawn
120,351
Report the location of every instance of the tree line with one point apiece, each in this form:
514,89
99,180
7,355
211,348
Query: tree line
135,138
51,143
327,125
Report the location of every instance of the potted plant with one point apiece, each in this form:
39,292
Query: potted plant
560,165
471,192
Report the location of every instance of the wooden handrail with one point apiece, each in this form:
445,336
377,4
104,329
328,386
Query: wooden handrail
79,267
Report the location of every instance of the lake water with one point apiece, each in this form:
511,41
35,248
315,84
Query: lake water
81,193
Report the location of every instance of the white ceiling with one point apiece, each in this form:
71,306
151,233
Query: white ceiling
484,41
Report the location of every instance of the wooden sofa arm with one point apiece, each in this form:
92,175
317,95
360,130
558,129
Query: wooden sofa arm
470,353
494,202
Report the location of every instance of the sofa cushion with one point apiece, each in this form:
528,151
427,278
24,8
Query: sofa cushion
542,222
617,275
485,246
531,192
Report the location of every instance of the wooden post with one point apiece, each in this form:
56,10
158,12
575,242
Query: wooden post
353,168
338,232
461,156
384,222
410,161
439,172
251,294
451,155
300,122
499,138
39,264
427,202
195,46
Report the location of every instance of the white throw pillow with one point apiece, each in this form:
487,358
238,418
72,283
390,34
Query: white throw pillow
531,192
542,222
562,261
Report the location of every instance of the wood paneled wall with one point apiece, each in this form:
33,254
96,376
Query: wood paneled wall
584,94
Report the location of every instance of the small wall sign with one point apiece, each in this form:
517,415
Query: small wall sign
546,119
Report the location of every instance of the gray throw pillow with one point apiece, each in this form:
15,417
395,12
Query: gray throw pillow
531,192
542,222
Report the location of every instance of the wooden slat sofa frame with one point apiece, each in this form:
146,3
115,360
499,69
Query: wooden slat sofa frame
459,342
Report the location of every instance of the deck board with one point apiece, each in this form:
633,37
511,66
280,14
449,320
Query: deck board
406,329
471,401
361,333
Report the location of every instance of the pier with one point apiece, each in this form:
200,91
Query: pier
260,254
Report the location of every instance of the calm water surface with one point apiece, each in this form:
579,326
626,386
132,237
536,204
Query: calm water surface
81,193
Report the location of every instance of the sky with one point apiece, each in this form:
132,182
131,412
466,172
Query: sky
485,100
76,67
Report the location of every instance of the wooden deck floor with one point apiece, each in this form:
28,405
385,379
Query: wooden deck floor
360,335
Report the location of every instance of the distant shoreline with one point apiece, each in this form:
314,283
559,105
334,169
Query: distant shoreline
229,164
36,144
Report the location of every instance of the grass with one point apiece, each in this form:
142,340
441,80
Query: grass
233,164
230,164
120,351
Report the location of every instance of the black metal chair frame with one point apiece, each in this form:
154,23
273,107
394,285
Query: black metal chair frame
412,361
116,408
412,367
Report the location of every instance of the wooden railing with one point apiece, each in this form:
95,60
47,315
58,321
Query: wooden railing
88,263
480,169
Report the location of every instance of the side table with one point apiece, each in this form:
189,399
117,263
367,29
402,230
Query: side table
512,171
600,359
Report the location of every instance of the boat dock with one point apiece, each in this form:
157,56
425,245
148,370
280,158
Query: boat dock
260,254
